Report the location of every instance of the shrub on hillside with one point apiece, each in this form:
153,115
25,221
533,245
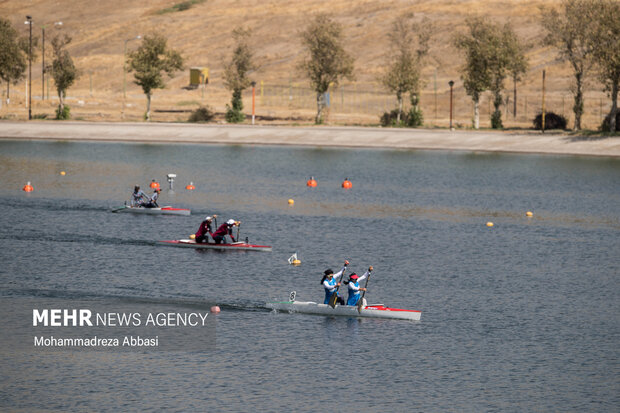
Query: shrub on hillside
605,127
552,121
202,114
411,119
64,115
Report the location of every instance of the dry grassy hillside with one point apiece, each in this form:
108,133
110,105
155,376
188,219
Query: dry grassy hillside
202,33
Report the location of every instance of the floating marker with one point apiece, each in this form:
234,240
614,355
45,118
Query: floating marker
311,182
154,184
28,187
193,236
215,309
529,214
190,187
293,260
63,173
291,201
489,224
347,184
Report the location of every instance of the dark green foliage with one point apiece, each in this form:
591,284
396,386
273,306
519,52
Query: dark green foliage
202,114
496,120
236,74
552,121
415,118
63,114
605,125
182,6
412,119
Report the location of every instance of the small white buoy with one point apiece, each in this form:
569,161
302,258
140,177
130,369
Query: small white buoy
215,309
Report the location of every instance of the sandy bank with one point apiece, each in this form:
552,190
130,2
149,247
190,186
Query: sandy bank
485,141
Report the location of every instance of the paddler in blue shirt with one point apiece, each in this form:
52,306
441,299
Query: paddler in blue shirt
153,201
138,197
354,287
331,284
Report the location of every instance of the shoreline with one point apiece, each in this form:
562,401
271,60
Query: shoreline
316,136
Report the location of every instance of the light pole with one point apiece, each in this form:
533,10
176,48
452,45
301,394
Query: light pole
451,83
29,23
125,72
253,99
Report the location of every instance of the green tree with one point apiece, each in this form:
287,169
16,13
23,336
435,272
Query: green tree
150,61
492,52
605,43
236,74
518,64
327,61
475,72
408,45
64,72
13,61
570,31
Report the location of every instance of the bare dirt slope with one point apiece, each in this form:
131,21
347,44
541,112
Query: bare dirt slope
203,35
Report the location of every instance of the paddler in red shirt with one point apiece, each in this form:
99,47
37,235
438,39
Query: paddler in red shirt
202,235
219,236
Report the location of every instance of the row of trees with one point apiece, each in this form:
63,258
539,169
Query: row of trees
586,33
15,51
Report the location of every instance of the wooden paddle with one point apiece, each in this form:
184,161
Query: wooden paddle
360,303
334,297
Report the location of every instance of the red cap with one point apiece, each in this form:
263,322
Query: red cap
353,276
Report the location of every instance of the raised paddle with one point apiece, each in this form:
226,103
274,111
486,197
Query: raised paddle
238,225
334,298
360,303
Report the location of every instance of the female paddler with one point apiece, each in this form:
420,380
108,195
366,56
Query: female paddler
354,286
331,284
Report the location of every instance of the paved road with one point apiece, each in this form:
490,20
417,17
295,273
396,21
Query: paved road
366,137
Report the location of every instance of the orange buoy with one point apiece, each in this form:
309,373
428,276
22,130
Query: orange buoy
311,182
154,184
347,184
190,187
28,187
215,309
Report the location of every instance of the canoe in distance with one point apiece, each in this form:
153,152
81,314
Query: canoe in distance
235,246
166,210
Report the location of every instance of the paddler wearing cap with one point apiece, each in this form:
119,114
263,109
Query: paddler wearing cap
153,200
226,228
354,286
202,235
138,198
331,284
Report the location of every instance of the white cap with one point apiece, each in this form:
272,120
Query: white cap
208,218
231,222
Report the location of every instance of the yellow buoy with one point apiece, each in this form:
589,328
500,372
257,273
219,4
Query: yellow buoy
63,173
193,236
489,224
291,202
296,262
529,214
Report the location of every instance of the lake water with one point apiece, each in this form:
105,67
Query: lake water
521,316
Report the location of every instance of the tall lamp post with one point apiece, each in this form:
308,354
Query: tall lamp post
451,83
29,23
253,99
125,72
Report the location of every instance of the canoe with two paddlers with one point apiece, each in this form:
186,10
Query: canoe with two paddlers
234,246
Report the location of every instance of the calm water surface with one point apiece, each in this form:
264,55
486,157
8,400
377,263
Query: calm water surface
522,316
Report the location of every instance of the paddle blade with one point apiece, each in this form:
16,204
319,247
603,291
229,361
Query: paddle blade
332,300
360,305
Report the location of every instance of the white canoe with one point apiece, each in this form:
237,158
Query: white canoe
236,246
371,311
166,210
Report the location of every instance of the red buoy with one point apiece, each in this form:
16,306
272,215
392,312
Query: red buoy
347,184
190,187
28,187
311,182
155,184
